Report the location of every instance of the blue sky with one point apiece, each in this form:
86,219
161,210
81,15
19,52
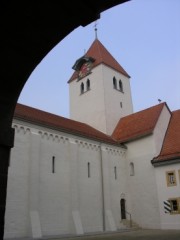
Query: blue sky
142,35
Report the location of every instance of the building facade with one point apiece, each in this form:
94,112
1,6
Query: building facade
98,170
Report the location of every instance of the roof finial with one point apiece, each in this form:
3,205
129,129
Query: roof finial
95,29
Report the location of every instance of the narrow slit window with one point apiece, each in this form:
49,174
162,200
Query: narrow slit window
131,169
121,105
82,88
53,164
88,85
89,170
115,172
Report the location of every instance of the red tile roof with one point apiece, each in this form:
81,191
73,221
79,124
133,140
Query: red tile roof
137,124
101,55
171,145
39,117
129,128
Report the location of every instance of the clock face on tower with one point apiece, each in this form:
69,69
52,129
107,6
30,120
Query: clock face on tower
85,69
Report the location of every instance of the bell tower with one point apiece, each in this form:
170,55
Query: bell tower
99,89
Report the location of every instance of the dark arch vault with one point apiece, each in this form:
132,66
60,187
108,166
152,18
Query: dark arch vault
29,30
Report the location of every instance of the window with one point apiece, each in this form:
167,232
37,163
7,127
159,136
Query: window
88,85
131,169
120,86
88,165
115,172
179,175
53,164
121,105
175,205
114,83
171,178
82,88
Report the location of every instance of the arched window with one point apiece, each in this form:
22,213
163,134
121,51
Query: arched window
82,88
131,169
88,85
114,83
120,86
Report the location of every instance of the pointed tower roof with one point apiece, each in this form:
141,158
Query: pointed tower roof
102,56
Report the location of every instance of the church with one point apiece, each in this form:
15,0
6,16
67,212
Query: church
104,169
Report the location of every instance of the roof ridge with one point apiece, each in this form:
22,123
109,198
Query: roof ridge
143,110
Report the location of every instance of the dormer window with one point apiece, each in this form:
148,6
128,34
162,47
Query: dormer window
114,83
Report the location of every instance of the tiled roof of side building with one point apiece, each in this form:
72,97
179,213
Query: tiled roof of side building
101,55
52,121
137,124
171,145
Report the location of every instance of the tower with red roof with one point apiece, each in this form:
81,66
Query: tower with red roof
100,92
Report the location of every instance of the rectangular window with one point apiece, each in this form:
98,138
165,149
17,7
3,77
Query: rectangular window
53,164
121,105
115,172
171,178
89,173
175,205
179,175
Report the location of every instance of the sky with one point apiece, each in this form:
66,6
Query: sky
142,35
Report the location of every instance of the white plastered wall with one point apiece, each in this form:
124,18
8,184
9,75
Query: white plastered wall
42,203
143,185
113,98
100,106
89,106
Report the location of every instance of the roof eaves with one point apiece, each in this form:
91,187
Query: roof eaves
136,137
70,131
165,161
